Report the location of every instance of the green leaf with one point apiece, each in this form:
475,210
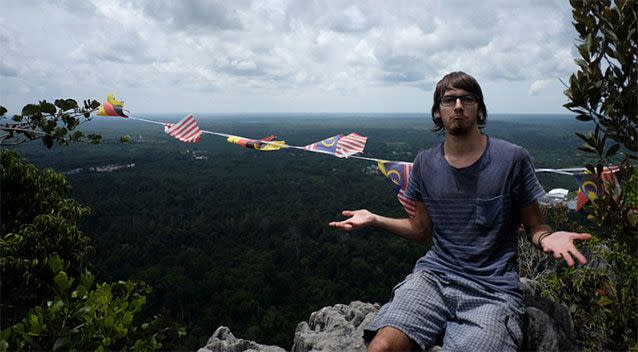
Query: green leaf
48,141
5,334
108,322
604,301
62,281
35,326
94,138
56,264
66,104
48,108
612,150
76,135
30,109
583,137
587,149
583,117
87,280
57,306
60,342
582,63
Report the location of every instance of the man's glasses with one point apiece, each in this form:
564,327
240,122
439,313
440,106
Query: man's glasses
450,100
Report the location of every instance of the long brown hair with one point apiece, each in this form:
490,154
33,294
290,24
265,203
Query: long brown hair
458,80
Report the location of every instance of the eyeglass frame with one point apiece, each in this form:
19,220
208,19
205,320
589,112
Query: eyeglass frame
456,97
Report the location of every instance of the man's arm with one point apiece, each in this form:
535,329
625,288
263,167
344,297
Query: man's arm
417,228
559,243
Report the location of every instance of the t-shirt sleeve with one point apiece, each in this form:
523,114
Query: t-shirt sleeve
526,186
413,190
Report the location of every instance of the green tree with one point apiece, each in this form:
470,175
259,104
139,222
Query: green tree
39,223
604,91
49,123
49,300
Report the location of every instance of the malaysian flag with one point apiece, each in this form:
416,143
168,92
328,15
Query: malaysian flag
350,145
328,145
185,130
112,107
266,144
399,173
588,185
340,146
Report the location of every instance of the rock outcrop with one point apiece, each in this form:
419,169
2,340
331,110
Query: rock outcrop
548,327
224,341
336,328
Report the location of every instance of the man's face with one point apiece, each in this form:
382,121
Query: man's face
461,116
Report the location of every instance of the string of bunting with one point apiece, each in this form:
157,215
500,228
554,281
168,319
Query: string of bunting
346,146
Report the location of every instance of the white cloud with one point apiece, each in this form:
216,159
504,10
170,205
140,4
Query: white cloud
256,48
537,86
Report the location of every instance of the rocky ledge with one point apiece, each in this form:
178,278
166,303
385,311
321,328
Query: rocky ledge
340,328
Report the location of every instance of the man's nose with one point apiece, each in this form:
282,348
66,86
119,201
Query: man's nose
458,105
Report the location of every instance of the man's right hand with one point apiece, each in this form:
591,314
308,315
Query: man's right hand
358,219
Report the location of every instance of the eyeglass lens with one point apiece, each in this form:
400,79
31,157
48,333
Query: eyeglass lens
450,100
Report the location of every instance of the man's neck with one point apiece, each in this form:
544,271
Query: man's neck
464,150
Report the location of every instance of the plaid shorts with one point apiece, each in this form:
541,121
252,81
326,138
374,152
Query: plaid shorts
428,306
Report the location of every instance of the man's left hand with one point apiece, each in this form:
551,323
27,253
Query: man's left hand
561,245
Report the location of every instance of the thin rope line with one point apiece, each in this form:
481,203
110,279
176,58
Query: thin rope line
563,171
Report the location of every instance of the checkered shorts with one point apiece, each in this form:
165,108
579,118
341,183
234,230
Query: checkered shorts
427,306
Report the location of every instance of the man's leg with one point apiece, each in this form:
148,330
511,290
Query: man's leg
392,339
413,319
484,320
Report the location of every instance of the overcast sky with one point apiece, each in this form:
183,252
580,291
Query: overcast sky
284,55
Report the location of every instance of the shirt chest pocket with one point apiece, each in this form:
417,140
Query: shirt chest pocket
489,211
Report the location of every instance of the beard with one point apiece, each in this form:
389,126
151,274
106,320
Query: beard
459,127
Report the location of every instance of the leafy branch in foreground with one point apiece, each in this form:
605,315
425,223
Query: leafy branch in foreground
85,316
50,122
604,91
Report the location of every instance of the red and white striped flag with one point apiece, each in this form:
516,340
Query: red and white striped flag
408,204
350,145
185,130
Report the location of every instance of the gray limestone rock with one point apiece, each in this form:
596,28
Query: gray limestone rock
336,328
548,327
224,341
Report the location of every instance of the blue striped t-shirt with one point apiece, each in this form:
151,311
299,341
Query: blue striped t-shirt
475,212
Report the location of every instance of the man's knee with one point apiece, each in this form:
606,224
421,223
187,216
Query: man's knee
379,344
391,339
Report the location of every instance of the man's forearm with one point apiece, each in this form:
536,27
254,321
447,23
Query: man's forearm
410,229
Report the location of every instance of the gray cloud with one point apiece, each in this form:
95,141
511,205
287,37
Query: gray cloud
7,70
403,69
241,67
125,48
337,50
79,7
185,15
348,20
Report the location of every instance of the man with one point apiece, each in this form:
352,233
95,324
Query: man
471,194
